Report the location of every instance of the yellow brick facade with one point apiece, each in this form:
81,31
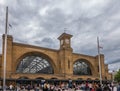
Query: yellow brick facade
62,60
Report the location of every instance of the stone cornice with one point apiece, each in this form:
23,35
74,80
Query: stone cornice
32,46
83,55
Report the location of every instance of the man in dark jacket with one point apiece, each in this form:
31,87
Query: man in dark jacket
99,88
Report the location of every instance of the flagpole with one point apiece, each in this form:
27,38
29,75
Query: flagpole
100,73
5,51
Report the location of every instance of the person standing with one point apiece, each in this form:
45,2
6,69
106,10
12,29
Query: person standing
118,87
99,88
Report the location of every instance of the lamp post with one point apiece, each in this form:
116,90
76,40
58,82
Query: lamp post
5,52
113,75
100,72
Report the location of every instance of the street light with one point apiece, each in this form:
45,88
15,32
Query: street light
100,71
5,52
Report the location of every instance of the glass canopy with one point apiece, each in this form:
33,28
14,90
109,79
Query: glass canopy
80,67
34,64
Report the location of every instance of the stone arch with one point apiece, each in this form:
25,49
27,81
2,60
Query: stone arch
96,79
23,77
89,79
90,67
40,78
54,78
39,54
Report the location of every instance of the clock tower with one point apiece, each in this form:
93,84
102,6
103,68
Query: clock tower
65,41
65,55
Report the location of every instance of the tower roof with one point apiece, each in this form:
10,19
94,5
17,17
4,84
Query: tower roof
64,35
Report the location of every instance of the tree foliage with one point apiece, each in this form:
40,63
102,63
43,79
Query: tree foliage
117,76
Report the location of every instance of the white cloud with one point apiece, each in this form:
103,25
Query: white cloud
115,66
43,11
2,2
36,21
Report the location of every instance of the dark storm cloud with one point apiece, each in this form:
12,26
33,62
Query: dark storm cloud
40,22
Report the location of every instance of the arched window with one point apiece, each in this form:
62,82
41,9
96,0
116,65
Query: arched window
81,67
34,64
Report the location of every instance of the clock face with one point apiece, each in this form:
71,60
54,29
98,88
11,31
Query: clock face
67,41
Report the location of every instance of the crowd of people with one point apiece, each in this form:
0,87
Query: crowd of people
64,86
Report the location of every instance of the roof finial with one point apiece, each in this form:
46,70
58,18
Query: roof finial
65,29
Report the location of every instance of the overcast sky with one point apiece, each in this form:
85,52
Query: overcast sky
41,22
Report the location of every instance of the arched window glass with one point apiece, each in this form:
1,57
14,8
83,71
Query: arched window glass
80,67
34,64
